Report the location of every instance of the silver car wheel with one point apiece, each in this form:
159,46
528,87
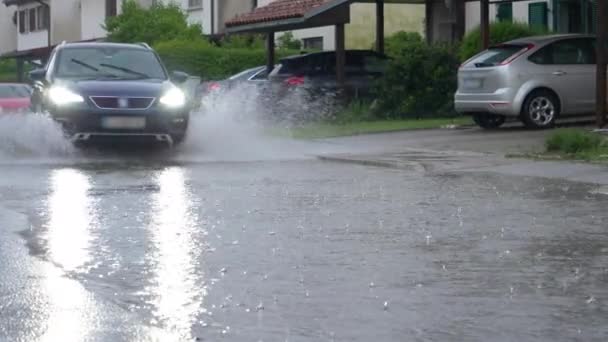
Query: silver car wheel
542,111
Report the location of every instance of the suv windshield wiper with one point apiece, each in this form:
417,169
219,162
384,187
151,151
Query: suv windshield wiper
88,66
127,70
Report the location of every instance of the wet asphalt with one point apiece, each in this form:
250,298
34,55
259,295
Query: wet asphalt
231,244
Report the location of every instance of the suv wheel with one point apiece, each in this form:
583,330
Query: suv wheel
540,110
488,121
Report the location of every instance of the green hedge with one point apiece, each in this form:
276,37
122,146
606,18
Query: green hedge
500,32
201,58
421,79
8,70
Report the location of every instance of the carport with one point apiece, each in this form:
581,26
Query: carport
287,15
601,58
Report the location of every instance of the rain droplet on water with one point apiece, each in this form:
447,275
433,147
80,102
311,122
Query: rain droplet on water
385,306
260,307
223,270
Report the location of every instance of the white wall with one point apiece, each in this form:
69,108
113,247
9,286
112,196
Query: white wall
8,30
520,13
93,14
65,21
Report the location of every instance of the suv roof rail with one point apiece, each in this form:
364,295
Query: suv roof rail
144,45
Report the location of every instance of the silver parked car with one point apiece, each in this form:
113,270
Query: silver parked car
535,79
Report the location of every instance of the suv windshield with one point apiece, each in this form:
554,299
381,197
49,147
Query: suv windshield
495,55
114,62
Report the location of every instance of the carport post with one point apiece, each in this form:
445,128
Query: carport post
340,55
485,23
380,26
602,39
428,21
20,75
270,58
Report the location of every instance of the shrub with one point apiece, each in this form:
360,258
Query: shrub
500,32
158,23
288,42
573,141
201,58
243,41
420,80
8,70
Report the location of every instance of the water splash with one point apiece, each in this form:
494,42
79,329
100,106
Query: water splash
26,135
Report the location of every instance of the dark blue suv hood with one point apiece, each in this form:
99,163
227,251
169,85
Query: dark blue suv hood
123,88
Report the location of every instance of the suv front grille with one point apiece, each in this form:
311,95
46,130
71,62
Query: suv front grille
105,102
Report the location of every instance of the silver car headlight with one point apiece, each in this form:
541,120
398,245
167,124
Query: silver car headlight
173,98
63,96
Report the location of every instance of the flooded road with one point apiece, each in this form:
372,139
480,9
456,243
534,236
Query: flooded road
295,249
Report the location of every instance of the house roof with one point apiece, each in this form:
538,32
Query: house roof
277,10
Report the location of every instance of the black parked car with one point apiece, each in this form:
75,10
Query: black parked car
110,92
317,71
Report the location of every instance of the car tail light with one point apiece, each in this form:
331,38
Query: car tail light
517,54
295,81
214,86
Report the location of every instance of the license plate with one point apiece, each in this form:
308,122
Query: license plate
471,83
123,123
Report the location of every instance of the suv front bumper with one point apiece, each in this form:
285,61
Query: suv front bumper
88,125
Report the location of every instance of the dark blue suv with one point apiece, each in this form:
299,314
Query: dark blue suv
107,92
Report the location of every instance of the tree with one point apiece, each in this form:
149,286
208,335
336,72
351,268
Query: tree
287,41
160,22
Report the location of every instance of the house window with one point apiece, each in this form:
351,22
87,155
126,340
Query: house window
504,12
537,15
22,21
195,3
111,9
42,18
315,43
32,20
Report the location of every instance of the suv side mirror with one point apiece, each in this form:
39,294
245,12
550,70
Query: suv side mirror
37,74
179,77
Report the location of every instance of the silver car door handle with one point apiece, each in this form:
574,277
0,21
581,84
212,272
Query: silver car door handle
559,73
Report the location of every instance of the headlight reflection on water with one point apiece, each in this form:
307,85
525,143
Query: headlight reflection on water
177,291
70,311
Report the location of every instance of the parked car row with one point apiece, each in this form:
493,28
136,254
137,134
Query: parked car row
313,71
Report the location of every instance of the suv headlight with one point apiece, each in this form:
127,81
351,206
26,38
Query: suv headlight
173,98
63,96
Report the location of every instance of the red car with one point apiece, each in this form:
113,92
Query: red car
14,97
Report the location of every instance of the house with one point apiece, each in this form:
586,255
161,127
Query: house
359,33
213,14
564,16
30,28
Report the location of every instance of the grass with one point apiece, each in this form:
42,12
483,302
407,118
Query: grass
328,130
576,144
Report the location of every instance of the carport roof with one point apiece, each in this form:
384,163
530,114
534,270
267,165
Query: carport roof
282,14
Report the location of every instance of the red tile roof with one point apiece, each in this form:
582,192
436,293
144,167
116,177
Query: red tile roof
277,10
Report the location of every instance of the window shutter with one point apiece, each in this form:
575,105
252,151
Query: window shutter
538,15
504,12
22,18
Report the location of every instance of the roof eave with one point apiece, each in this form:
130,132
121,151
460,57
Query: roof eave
18,2
266,26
